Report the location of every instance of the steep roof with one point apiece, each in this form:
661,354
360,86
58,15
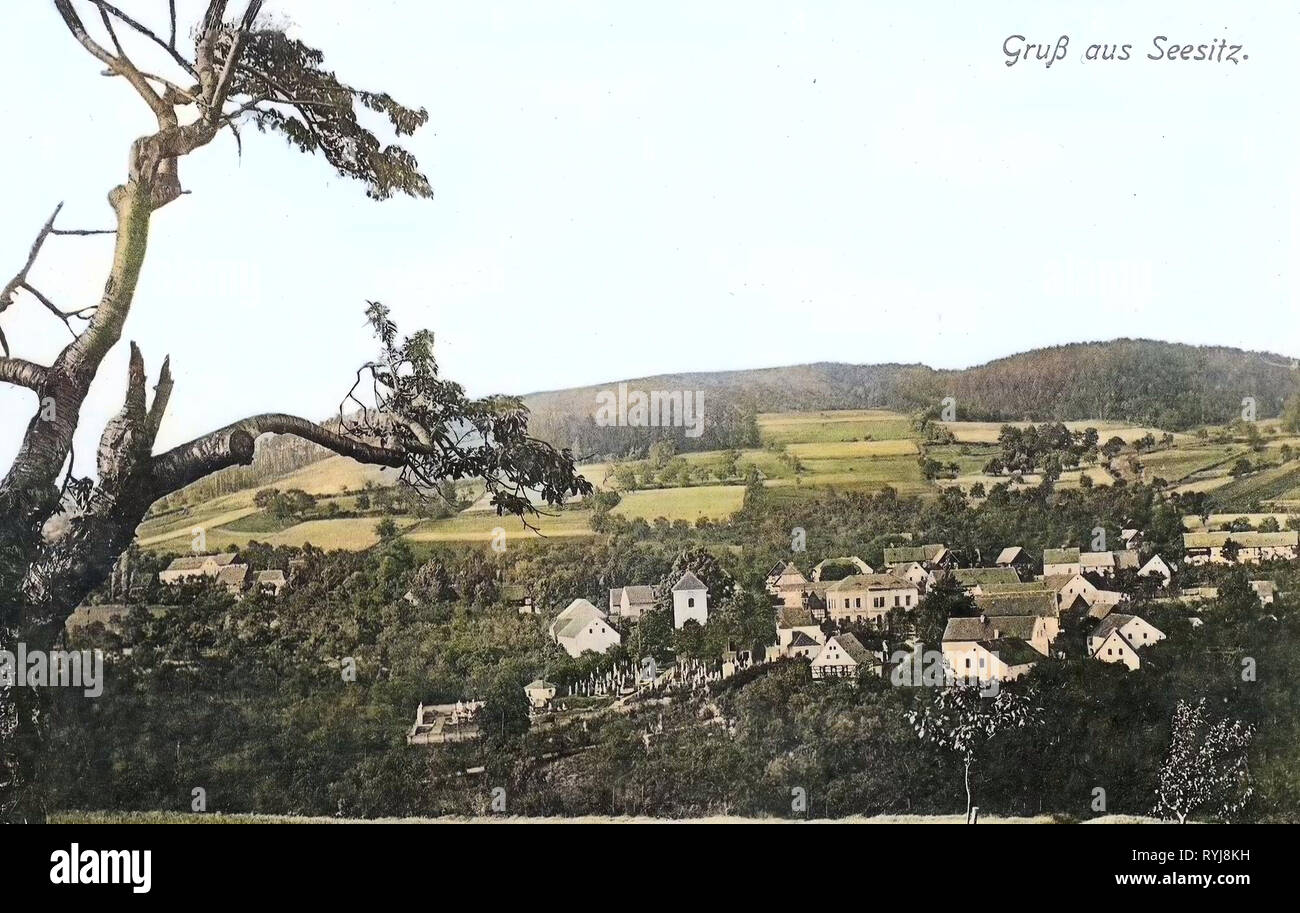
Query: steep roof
1013,651
976,629
794,617
972,576
870,582
1127,558
194,562
578,614
1042,603
801,639
1061,556
639,594
1010,554
232,574
537,684
852,647
1095,559
905,553
688,582
1112,622
1246,540
1154,562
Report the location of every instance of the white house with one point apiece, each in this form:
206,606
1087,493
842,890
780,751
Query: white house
582,627
1003,619
631,601
915,574
1266,590
190,567
690,600
1245,548
796,634
1061,562
1157,567
271,582
869,597
1118,637
842,656
984,649
1070,561
539,693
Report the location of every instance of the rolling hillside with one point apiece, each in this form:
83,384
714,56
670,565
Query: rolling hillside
810,426
1166,385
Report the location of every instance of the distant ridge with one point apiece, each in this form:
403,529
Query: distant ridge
1169,385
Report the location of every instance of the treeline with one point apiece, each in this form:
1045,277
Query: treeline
725,425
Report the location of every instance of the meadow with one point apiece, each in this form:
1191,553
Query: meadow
801,453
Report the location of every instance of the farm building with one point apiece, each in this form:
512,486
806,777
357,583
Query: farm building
1239,548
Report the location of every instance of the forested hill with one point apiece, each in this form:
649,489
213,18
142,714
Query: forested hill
1169,385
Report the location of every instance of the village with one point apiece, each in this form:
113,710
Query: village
839,617
1019,612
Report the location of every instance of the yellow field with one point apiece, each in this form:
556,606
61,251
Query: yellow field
716,502
1193,523
182,527
987,432
331,475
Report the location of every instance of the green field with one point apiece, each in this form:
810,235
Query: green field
845,425
714,501
802,453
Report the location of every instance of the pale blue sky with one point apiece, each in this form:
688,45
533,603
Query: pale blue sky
685,186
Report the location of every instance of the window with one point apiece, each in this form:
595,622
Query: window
690,602
857,603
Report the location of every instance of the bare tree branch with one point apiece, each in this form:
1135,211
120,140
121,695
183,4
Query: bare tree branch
222,88
120,64
233,445
19,280
162,393
168,46
22,373
83,232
